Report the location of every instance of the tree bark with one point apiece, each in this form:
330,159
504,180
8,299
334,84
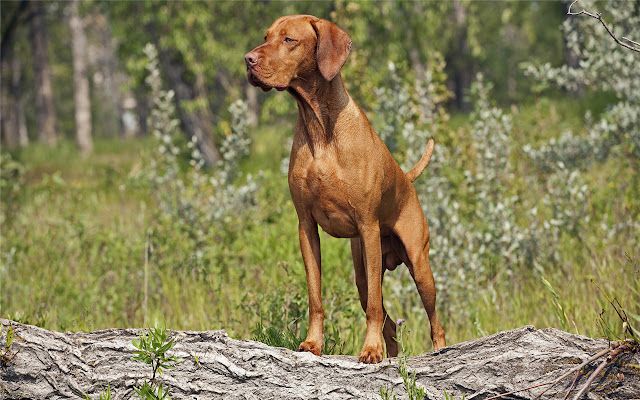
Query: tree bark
45,111
53,365
81,96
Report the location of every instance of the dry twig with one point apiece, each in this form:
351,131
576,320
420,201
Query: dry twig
612,352
622,347
598,16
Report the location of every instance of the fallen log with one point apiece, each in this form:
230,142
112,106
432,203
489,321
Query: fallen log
43,364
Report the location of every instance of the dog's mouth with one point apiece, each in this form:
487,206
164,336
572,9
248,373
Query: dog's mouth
254,80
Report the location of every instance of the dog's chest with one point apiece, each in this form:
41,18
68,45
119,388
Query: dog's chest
320,187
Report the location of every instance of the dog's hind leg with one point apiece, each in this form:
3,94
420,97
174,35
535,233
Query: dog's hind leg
414,234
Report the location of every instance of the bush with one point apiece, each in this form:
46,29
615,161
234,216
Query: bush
495,221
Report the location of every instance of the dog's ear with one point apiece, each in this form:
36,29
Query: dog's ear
332,49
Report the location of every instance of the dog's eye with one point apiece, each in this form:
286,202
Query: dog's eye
265,38
289,40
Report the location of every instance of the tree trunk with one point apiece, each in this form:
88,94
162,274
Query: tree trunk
13,125
103,58
9,114
142,111
460,61
196,123
51,365
252,103
45,111
80,81
10,24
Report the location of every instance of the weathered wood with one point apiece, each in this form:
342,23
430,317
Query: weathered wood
53,365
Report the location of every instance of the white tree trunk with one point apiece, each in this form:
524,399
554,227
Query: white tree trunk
80,81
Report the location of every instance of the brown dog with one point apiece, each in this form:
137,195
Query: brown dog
343,178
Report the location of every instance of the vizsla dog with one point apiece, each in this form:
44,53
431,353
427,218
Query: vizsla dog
343,178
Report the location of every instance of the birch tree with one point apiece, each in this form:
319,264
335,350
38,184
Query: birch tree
80,81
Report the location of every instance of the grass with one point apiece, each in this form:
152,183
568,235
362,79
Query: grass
81,235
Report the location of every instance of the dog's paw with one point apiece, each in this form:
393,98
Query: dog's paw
311,347
439,342
437,337
371,354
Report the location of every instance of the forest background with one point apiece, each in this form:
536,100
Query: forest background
143,179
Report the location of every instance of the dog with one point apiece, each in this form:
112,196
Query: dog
343,178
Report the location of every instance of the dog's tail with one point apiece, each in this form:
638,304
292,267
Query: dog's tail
422,164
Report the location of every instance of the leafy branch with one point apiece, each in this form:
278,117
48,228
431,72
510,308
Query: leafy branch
598,16
152,348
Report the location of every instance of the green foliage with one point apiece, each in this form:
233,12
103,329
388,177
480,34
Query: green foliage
149,392
413,390
272,336
558,308
283,313
284,310
447,396
623,326
194,201
6,355
409,379
152,350
104,395
11,180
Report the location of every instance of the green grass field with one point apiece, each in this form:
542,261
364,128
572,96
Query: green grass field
84,248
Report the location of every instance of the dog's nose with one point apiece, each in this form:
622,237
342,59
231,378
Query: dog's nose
251,58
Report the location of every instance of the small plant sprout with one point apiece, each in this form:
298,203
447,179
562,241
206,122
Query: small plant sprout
409,379
104,395
152,349
6,355
448,396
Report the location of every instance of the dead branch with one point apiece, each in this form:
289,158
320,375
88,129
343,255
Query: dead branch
598,16
611,352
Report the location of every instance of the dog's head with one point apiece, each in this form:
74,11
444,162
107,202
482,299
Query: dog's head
295,47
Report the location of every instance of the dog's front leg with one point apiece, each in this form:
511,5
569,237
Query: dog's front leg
372,350
310,248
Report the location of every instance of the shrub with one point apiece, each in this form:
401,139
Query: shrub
603,66
197,203
491,218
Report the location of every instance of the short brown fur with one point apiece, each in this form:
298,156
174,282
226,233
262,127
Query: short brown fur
343,178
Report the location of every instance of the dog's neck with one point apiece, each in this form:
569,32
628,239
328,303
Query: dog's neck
319,104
